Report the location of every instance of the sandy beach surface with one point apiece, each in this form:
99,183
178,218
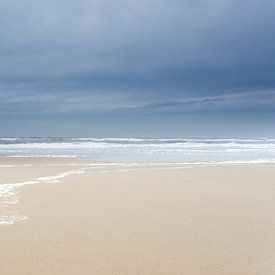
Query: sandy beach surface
138,219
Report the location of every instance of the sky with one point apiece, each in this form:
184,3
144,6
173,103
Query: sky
147,68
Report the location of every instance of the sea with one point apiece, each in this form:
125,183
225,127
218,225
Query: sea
144,150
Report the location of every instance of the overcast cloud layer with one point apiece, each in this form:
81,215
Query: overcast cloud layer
142,68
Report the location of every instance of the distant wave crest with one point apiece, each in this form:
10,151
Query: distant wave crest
144,149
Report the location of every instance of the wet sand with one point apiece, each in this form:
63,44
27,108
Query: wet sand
141,220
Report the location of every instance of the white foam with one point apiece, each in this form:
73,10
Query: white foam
9,195
15,165
42,156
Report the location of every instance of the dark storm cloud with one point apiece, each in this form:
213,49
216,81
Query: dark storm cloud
101,57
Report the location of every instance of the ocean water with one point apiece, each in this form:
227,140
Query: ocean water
145,149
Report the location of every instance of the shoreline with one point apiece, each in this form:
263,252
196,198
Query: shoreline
14,158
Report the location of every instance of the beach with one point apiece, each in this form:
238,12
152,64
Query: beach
137,137
107,218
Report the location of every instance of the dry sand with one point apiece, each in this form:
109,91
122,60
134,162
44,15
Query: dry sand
142,220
